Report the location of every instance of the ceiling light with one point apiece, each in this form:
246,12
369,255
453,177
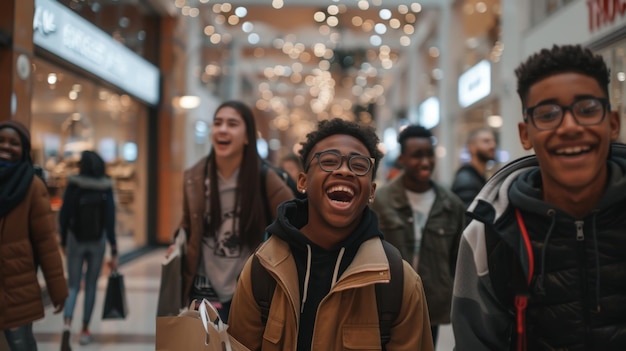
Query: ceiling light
384,14
52,78
376,40
380,28
241,12
186,102
416,7
319,16
278,4
247,26
253,38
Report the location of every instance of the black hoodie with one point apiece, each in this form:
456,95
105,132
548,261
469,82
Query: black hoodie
318,269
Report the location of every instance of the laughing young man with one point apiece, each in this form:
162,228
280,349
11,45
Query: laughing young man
542,265
326,254
423,220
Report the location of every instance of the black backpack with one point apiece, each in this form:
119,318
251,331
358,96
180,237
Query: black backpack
89,217
291,183
388,296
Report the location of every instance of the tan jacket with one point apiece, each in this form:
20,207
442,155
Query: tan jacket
347,318
27,232
194,208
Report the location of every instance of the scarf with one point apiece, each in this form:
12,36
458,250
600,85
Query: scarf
14,183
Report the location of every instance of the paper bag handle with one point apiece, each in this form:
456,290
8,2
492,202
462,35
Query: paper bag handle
210,314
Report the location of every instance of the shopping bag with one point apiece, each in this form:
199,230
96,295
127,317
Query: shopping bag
115,306
200,329
170,291
171,299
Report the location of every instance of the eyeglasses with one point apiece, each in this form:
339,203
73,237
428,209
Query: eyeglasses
586,112
331,161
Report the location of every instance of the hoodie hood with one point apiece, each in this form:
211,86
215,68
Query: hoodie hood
86,182
318,269
294,214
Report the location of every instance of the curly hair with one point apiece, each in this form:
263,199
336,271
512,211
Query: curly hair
366,135
561,59
413,131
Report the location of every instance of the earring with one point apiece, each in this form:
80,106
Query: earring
371,200
303,191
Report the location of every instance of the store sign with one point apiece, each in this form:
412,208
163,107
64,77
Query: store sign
604,13
62,32
475,83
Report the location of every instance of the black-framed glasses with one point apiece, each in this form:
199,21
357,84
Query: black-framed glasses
330,161
587,112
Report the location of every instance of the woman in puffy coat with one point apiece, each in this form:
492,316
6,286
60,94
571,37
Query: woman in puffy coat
27,241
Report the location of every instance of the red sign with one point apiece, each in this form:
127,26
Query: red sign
604,12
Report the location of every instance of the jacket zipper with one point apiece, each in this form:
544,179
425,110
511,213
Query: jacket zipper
580,237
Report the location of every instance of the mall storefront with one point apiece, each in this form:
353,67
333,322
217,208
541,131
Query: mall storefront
92,93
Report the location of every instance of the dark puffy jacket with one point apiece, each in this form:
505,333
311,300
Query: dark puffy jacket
467,183
572,270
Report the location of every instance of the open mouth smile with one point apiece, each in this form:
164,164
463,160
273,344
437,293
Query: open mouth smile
340,194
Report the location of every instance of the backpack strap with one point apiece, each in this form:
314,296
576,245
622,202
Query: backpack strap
263,286
389,295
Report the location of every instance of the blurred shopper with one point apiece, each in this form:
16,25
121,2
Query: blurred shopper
28,241
541,266
291,164
471,177
423,220
86,222
223,210
326,255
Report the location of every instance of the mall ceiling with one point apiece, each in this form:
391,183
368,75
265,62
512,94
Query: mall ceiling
316,58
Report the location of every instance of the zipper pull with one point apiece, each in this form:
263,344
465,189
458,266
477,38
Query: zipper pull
580,236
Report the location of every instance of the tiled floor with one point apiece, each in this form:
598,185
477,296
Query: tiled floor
137,331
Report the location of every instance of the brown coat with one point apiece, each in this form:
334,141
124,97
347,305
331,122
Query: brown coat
27,236
347,318
193,210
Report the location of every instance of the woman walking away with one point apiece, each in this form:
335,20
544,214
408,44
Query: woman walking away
27,241
88,212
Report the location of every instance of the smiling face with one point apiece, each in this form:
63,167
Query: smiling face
336,199
418,160
228,134
572,157
11,147
484,146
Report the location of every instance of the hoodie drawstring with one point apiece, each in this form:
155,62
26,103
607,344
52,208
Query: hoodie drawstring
336,272
306,277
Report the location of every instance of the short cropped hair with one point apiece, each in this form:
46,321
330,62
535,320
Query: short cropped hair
561,59
326,128
413,131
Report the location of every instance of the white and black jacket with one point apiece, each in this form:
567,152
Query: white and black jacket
560,286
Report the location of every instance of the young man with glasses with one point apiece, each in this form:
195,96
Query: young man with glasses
423,220
327,257
541,266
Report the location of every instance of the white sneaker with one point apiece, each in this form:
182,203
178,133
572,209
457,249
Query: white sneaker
85,338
